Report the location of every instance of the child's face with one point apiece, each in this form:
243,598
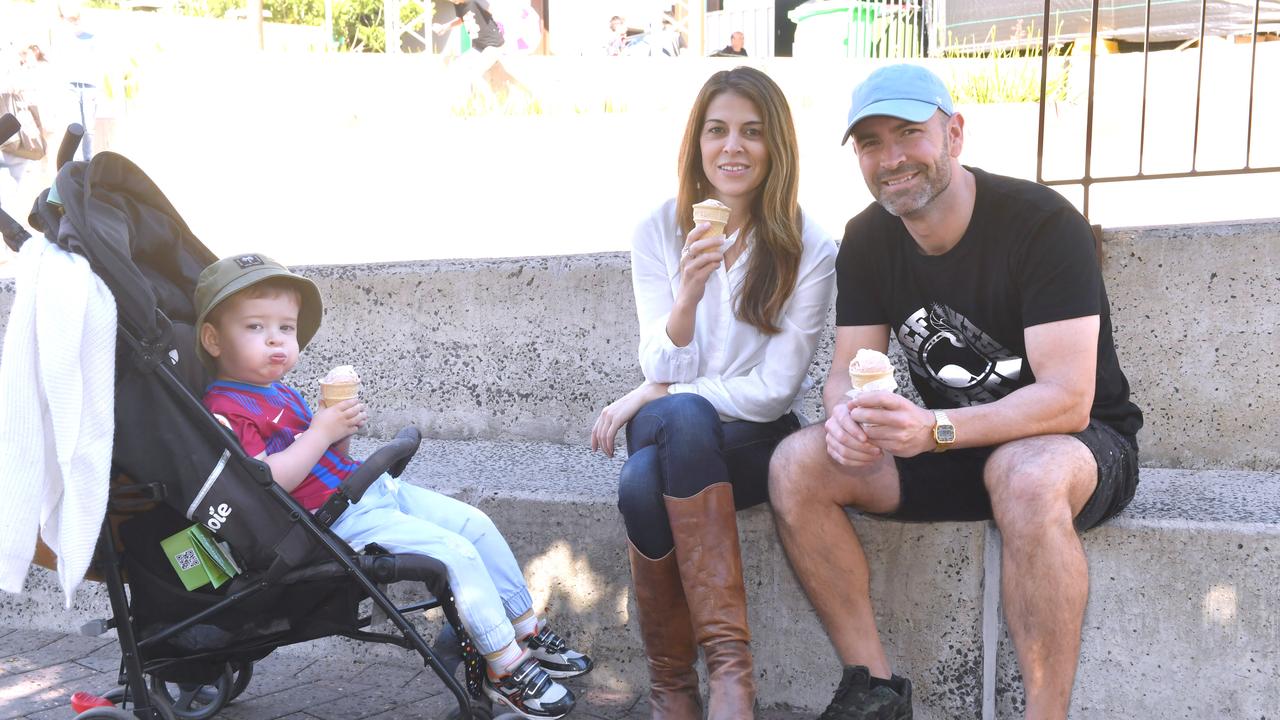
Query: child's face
256,339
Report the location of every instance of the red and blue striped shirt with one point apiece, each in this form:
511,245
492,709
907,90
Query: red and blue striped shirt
266,420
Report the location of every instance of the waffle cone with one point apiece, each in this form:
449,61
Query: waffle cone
717,228
334,393
718,216
861,380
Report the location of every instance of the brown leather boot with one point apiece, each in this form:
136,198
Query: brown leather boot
705,528
668,637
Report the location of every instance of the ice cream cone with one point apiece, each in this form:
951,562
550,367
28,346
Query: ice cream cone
714,212
342,383
334,393
861,380
871,370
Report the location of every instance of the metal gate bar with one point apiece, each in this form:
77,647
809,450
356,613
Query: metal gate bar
1087,179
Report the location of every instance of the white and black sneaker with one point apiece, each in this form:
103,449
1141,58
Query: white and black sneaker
555,656
529,691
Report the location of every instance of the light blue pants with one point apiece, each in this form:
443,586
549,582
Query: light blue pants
86,99
487,584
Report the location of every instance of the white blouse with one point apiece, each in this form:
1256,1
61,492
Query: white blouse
745,374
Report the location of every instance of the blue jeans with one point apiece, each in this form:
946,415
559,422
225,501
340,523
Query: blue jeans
678,446
487,584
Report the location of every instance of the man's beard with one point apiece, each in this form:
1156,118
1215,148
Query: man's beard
934,184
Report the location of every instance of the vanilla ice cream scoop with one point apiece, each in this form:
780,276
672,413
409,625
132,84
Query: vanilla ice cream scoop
871,370
342,374
342,383
714,212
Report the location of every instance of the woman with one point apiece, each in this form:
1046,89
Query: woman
728,327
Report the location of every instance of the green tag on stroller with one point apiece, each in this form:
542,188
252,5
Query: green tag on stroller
198,558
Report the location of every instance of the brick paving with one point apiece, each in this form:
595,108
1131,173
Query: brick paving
39,670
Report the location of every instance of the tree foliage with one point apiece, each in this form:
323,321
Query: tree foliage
357,24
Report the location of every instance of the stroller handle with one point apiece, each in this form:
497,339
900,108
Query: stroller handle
70,141
12,232
390,458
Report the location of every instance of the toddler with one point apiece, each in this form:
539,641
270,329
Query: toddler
254,318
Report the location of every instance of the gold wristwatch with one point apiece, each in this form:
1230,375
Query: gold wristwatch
944,433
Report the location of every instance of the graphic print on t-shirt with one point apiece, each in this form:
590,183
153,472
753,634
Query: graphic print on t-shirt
960,361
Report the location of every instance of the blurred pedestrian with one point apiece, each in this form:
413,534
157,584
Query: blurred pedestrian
18,95
736,46
76,52
616,41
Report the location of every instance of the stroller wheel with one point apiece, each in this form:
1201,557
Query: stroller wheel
190,701
243,673
120,696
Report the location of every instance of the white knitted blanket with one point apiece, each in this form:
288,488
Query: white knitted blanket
57,414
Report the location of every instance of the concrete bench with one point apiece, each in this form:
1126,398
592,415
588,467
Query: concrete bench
504,364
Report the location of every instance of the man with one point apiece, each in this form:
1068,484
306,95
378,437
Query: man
735,47
992,288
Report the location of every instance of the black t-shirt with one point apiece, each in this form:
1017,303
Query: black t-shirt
489,34
728,50
1026,258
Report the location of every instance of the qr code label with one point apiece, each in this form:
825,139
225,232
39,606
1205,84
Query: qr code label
187,559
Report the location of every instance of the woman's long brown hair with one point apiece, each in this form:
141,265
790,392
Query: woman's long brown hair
774,215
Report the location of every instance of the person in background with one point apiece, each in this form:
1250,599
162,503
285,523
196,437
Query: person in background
20,93
616,40
736,46
669,41
76,51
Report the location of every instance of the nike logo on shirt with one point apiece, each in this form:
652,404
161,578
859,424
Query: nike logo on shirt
278,416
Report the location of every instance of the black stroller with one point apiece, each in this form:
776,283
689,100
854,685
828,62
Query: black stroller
187,654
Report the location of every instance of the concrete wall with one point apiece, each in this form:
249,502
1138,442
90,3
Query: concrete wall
532,348
507,362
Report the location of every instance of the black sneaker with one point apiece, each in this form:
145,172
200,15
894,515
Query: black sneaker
856,699
555,657
529,692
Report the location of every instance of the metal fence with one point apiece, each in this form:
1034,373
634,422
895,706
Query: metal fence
862,28
1087,179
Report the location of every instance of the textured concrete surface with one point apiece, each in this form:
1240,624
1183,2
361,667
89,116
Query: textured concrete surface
39,670
555,504
1195,321
1183,620
532,348
1183,580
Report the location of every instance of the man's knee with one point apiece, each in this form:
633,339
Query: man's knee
1032,481
795,465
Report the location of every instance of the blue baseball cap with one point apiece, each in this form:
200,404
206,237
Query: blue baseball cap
908,92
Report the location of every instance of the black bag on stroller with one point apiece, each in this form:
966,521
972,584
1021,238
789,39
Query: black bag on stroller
174,465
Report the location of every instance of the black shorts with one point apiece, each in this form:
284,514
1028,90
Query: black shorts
941,487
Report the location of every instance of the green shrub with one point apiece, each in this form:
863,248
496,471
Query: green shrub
1008,74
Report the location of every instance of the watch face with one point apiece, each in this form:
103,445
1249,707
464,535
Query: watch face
946,434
